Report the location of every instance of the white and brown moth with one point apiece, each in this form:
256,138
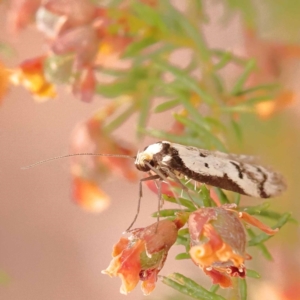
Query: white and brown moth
231,172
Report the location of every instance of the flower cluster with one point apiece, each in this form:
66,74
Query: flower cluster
218,242
80,38
88,172
217,245
141,256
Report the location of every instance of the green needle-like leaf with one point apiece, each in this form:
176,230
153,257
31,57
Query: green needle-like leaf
242,79
166,106
189,287
261,246
205,196
264,237
242,284
145,105
150,16
257,209
184,139
186,79
224,60
222,196
237,130
262,87
115,89
253,274
118,121
181,240
207,136
214,288
166,213
136,47
180,201
182,256
237,199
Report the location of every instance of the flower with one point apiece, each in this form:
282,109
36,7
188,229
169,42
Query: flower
268,108
88,171
91,137
141,256
30,74
81,31
21,13
274,60
4,81
88,195
218,242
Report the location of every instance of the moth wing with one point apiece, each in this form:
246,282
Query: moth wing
237,157
228,171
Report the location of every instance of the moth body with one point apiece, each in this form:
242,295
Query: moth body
231,172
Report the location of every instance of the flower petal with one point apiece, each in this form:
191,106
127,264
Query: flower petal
255,222
149,284
89,196
30,74
219,278
130,267
4,80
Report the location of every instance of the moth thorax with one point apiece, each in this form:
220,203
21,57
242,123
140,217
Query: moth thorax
141,161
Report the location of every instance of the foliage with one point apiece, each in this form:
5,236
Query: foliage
130,58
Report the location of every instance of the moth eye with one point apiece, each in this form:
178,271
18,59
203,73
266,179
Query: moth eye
140,163
142,167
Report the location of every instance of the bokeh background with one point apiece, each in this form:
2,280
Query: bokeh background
50,248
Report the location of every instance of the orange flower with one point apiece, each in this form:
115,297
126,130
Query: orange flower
30,74
110,50
90,137
89,196
141,256
4,80
218,242
268,108
274,60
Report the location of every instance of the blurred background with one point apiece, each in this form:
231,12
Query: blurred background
51,248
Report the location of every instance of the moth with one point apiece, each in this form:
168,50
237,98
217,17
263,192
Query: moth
231,172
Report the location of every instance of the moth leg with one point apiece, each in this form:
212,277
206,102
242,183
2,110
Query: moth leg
181,194
188,181
159,202
152,177
174,177
156,185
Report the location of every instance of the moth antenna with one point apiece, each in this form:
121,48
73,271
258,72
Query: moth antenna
76,154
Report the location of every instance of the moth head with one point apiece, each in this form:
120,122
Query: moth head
148,157
141,159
